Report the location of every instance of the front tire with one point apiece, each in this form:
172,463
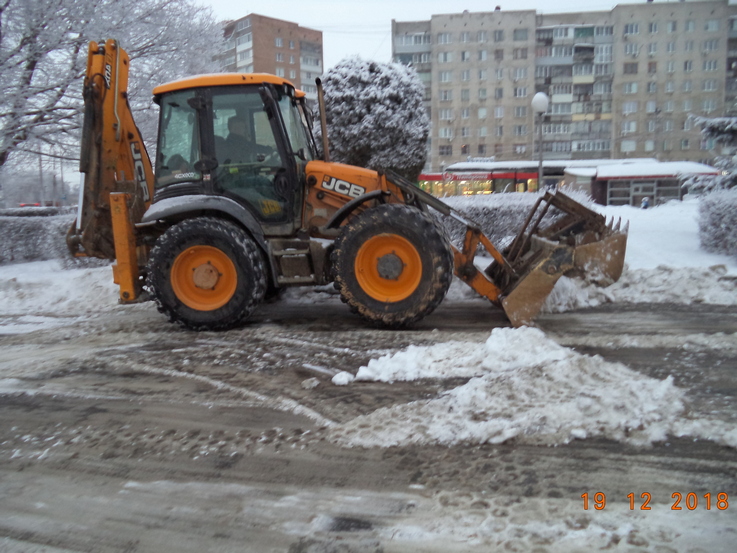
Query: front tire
206,274
392,265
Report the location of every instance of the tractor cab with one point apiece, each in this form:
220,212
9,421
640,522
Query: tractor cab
244,137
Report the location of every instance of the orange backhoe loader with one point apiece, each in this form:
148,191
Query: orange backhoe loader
239,204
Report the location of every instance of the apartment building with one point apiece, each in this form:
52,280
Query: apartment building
259,44
624,83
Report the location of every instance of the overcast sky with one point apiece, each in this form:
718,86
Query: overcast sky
363,27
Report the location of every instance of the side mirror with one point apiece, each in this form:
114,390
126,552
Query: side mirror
205,165
301,154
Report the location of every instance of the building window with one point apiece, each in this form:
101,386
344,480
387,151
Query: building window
482,149
690,26
652,88
709,85
688,66
498,93
481,36
630,88
498,36
709,105
444,38
482,74
672,26
651,106
560,32
520,92
685,144
519,53
243,24
652,48
711,45
669,86
629,127
652,126
445,150
446,95
628,146
445,76
279,71
465,56
499,74
520,73
652,67
712,25
499,131
279,42
279,57
445,132
499,112
292,74
631,49
711,65
607,30
291,45
632,29
291,60
445,57
445,114
688,46
630,68
498,55
482,55
520,111
465,37
520,148
465,95
649,145
671,47
668,106
465,113
687,105
482,94
464,149
465,132
629,107
466,75
519,34
652,28
670,67
603,53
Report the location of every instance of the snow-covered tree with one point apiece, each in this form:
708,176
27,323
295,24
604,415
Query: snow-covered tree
376,117
723,130
718,206
43,53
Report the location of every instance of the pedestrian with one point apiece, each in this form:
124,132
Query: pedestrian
645,202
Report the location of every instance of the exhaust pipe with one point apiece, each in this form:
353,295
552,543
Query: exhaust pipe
323,121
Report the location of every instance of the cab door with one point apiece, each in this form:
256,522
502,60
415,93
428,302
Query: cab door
255,164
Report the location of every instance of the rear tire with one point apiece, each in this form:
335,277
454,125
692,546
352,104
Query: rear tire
206,274
392,265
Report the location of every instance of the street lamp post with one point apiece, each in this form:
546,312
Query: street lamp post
540,102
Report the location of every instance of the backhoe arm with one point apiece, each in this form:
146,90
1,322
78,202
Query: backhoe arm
118,178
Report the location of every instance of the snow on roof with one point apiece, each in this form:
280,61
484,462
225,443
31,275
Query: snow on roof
657,169
582,171
487,166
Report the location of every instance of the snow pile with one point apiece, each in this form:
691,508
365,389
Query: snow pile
42,287
711,285
718,222
523,386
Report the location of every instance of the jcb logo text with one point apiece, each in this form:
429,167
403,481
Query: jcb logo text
342,187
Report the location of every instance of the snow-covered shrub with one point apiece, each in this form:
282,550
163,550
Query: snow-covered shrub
500,215
376,117
24,239
718,221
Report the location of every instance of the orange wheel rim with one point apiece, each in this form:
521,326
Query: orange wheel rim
203,278
388,268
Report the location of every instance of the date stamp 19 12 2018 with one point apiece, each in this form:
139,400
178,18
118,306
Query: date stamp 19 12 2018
680,501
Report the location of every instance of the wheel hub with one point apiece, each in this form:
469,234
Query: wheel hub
205,276
390,266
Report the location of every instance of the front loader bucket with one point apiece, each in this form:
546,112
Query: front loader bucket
578,242
523,301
